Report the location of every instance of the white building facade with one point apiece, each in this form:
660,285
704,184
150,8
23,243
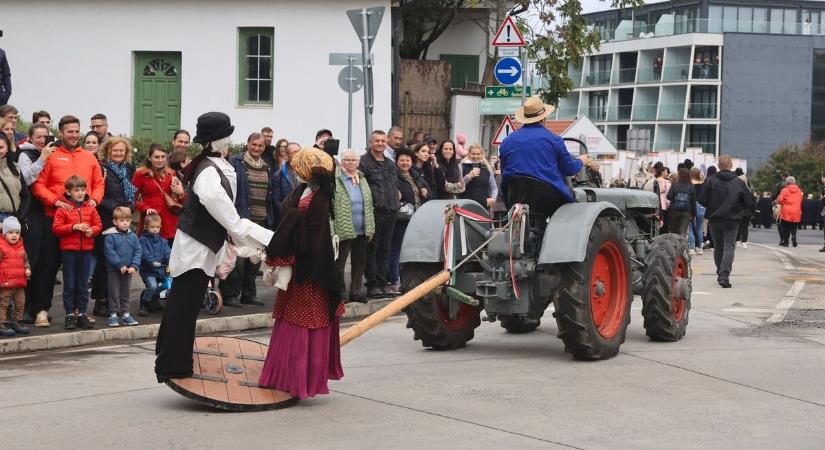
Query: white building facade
154,66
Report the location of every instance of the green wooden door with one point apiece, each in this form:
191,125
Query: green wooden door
157,94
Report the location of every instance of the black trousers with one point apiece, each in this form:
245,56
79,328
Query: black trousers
45,259
358,249
724,245
787,230
241,281
378,250
100,287
176,335
743,230
679,222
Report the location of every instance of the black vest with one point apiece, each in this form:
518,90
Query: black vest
35,205
478,188
195,220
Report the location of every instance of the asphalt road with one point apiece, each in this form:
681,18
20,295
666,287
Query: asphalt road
748,374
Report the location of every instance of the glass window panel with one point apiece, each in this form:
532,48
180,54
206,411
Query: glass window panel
265,91
790,22
252,45
806,23
252,90
776,21
251,67
760,20
715,19
729,23
265,72
266,45
745,24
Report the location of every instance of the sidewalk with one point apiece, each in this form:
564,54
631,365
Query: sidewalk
228,320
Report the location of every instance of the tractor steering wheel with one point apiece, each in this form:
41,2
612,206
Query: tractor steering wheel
582,178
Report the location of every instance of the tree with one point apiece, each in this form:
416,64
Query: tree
559,38
805,162
423,21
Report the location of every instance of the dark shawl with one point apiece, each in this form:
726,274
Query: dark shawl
307,236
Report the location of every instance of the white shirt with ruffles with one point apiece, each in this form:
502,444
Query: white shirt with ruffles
187,253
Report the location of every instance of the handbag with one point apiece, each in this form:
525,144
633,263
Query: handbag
777,211
172,205
405,212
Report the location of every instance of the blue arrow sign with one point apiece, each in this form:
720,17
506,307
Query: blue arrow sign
508,71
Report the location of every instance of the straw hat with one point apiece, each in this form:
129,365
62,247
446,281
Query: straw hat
534,110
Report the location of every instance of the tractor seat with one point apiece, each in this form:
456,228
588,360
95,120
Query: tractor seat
542,198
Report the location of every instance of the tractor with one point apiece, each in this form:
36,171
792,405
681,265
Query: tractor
585,262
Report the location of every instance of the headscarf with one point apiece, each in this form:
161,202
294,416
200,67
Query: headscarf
311,161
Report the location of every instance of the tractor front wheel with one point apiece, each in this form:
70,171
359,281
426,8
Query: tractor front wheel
593,300
667,287
429,317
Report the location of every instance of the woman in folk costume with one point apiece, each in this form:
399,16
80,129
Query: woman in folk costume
304,351
208,219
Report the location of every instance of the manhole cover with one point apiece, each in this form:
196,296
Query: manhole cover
805,315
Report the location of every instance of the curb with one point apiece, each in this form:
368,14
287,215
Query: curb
144,332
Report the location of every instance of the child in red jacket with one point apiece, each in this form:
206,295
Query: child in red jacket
14,271
76,225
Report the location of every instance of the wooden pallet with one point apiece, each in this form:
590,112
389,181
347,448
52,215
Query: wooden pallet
226,372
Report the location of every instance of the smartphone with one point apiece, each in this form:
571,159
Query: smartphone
331,146
49,140
476,165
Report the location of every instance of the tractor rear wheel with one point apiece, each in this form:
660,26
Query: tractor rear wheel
593,300
666,292
429,317
519,325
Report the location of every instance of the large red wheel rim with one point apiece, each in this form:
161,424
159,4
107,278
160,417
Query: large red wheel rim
608,289
679,304
462,318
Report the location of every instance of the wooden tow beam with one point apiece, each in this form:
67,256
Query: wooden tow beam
226,369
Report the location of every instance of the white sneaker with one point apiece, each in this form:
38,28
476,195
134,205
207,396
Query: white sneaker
744,245
692,252
699,251
738,244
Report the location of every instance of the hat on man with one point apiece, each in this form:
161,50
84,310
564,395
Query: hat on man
534,110
11,224
430,138
323,132
212,126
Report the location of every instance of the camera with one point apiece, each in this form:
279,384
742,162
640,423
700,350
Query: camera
49,140
331,146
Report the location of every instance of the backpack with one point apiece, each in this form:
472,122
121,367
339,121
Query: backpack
681,201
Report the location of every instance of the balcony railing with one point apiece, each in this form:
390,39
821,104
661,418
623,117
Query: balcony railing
673,111
620,112
650,75
567,113
597,113
702,111
707,147
624,76
644,112
576,76
641,30
597,78
662,146
677,72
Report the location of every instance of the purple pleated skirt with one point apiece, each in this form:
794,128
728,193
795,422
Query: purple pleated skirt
301,360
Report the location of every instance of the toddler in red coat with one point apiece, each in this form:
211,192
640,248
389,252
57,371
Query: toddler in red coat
14,271
76,223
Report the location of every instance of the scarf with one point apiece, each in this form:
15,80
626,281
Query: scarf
409,179
259,164
119,169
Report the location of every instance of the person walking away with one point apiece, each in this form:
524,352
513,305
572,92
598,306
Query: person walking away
764,207
304,351
354,223
76,228
695,232
157,187
14,274
682,199
479,181
118,172
154,259
791,213
66,161
412,197
727,200
251,203
382,176
448,179
742,235
123,251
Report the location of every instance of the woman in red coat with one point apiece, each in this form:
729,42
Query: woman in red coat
791,213
149,180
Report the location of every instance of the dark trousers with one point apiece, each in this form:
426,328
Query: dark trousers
43,249
679,222
358,249
118,287
99,277
743,230
787,230
378,250
76,281
395,251
724,244
176,335
241,281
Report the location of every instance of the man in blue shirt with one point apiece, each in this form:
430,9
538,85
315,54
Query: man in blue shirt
534,162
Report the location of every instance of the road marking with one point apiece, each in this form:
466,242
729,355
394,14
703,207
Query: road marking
748,310
787,301
785,260
700,293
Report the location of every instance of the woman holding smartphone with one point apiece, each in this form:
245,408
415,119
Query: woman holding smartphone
478,178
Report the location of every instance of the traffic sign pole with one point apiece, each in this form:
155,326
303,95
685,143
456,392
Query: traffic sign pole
350,79
365,52
523,75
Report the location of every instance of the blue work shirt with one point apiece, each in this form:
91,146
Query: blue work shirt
534,151
357,201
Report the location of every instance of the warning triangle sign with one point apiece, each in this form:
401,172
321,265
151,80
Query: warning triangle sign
508,35
504,130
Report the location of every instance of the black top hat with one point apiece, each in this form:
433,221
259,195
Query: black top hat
212,126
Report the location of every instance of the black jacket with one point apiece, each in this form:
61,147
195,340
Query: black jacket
113,194
382,177
422,181
5,79
688,189
726,197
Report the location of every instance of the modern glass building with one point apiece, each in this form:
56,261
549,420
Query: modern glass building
727,76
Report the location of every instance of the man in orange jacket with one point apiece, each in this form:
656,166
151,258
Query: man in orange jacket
67,159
